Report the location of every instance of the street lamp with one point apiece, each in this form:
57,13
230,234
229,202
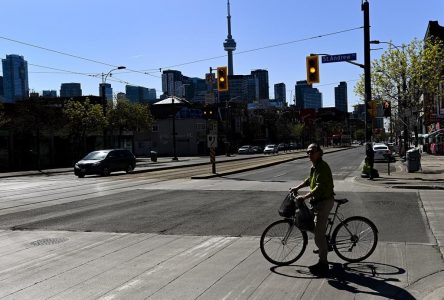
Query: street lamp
103,89
104,100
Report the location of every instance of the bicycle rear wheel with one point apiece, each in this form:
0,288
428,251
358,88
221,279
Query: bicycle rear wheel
282,243
355,239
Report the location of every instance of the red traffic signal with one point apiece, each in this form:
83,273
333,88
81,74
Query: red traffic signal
312,63
222,79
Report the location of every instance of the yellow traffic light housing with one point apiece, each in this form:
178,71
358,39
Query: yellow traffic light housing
312,63
371,108
222,79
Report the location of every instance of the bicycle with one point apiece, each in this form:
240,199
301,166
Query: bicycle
353,239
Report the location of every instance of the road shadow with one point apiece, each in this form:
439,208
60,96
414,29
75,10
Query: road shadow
374,278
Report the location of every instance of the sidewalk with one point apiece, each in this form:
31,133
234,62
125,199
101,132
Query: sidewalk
429,183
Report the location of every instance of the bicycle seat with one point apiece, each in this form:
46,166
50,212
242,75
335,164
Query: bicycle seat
341,201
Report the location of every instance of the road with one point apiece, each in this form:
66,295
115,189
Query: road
235,205
162,235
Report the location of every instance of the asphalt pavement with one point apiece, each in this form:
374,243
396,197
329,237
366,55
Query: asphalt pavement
95,265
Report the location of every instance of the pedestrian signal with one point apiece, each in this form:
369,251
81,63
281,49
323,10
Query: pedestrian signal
387,106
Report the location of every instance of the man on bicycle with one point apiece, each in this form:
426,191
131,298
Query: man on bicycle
321,197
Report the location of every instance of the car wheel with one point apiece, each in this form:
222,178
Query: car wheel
129,169
105,172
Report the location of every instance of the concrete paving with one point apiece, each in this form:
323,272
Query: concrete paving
96,265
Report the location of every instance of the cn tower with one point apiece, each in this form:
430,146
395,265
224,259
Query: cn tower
229,44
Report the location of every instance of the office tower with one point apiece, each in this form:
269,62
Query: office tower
341,102
70,90
1,86
49,93
15,78
106,87
172,83
307,96
280,92
140,94
262,76
229,44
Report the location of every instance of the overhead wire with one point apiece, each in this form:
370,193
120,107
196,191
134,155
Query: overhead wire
145,71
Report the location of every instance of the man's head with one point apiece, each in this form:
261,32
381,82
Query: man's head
314,152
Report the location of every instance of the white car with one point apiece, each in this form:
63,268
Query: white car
272,148
382,152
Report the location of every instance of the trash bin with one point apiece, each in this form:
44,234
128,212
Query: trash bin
153,156
413,159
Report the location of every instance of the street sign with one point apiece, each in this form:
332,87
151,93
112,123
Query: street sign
338,58
212,141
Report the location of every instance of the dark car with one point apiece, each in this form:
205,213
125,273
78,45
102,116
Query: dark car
103,162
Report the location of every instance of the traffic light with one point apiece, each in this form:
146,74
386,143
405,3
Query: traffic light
222,79
312,62
371,108
387,106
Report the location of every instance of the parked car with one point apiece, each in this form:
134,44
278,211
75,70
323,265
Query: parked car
103,162
271,148
257,149
381,151
246,149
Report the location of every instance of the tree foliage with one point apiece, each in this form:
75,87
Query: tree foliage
404,74
83,119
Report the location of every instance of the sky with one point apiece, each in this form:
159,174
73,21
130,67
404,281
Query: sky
78,40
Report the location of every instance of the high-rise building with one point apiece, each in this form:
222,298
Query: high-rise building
140,94
341,102
307,96
172,81
280,92
106,87
49,93
1,86
70,90
262,76
15,78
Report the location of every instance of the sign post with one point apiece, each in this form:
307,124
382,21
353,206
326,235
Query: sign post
212,144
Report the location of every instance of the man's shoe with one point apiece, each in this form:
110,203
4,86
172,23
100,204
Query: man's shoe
330,249
319,269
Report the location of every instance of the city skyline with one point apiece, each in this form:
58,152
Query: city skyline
271,36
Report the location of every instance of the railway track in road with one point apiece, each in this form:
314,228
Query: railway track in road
222,167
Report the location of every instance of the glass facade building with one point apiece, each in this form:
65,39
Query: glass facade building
15,78
341,102
70,90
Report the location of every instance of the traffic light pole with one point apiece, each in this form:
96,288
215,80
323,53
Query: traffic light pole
367,88
367,78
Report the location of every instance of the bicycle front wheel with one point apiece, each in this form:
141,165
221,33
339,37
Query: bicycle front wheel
355,239
282,243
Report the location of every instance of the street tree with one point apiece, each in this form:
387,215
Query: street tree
83,119
126,115
403,75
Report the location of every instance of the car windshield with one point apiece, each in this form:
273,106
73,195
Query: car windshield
96,155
